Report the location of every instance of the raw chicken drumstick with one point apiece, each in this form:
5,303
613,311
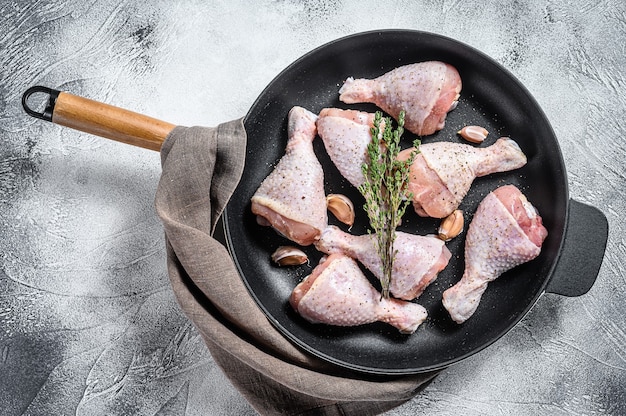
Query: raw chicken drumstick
506,231
426,91
443,172
292,198
416,264
337,293
346,134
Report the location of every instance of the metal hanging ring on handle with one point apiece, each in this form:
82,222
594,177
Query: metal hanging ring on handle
48,110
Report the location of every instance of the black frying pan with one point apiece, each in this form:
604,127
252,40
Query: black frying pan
492,98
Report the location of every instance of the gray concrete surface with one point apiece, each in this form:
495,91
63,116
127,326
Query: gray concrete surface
88,323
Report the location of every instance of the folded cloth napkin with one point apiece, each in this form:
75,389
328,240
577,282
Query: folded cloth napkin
201,169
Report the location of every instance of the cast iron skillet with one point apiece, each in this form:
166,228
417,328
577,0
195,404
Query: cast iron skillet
491,97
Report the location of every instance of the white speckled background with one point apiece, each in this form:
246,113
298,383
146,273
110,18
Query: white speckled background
88,323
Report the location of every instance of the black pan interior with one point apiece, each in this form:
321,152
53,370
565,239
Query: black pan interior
491,97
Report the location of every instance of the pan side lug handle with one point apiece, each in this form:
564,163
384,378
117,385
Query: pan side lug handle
582,252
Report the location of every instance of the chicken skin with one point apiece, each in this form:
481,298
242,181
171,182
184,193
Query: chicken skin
338,293
425,91
292,198
506,231
442,173
346,135
417,262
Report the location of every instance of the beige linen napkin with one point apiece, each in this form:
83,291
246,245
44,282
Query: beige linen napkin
201,168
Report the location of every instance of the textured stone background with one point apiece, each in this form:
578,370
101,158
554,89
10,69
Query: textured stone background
88,323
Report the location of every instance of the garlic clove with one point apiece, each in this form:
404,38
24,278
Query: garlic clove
341,207
473,134
451,226
289,256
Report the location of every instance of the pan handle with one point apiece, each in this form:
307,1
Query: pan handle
582,252
98,118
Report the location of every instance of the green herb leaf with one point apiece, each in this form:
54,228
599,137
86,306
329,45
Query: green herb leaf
384,189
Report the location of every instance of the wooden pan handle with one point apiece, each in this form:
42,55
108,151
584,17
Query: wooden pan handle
101,119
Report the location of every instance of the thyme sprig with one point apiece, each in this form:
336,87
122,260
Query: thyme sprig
385,189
